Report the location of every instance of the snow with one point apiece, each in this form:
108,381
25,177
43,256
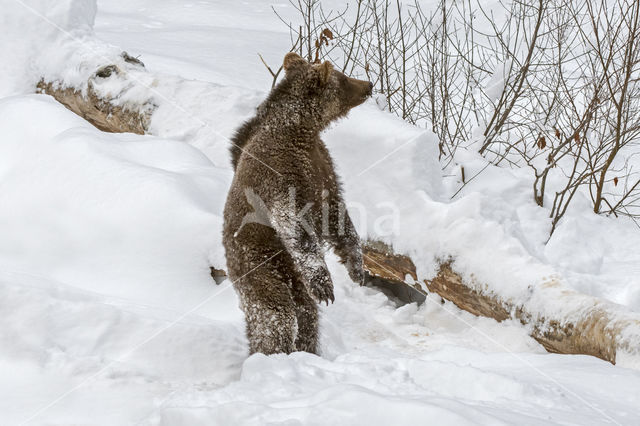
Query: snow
152,194
110,315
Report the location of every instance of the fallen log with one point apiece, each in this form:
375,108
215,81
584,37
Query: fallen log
601,330
596,327
103,110
389,271
596,334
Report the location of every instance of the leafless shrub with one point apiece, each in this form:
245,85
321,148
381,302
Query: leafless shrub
552,85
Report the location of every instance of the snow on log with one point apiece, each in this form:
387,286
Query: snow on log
100,108
591,335
590,327
587,325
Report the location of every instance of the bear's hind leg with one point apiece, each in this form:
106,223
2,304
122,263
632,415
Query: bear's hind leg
307,316
269,311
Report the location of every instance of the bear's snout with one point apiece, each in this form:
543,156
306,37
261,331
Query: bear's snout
358,91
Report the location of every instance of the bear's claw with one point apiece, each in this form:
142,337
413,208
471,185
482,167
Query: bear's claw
323,293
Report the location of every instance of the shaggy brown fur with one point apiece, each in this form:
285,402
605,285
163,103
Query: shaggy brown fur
286,185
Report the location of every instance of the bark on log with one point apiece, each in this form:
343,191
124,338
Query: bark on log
389,271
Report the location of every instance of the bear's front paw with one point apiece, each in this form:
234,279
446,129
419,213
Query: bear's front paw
357,275
321,289
355,270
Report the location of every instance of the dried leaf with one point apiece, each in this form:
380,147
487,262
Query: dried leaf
327,33
557,132
615,181
542,142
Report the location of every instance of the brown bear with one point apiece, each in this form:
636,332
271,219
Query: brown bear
285,203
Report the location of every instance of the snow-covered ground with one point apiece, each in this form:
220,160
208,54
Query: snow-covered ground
110,315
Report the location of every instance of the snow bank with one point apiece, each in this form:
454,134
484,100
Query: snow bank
136,210
104,360
41,35
381,389
110,316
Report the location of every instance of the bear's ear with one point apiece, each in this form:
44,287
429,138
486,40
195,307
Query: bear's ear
292,60
325,70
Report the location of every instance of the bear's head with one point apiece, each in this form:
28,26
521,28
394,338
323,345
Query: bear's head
328,93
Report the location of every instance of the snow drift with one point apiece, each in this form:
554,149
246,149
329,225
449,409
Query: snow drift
111,317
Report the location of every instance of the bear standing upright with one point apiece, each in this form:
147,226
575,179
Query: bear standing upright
285,202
